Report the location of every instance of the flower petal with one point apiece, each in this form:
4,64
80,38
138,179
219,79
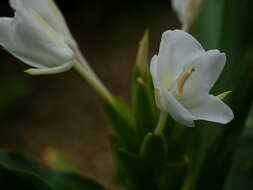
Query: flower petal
49,11
5,30
176,48
153,71
211,108
179,6
49,71
187,11
36,43
166,102
208,68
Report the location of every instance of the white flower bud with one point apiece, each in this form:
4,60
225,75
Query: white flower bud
32,40
49,11
187,11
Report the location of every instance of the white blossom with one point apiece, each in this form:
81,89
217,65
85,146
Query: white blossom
31,39
50,12
183,74
187,11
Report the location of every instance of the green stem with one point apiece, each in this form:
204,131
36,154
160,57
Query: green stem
161,123
86,72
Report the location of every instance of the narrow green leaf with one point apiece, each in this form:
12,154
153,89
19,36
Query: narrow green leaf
224,25
142,59
128,167
122,120
241,172
143,93
144,106
22,180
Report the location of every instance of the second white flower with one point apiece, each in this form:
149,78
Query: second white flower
183,74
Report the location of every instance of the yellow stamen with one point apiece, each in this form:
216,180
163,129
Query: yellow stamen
223,95
182,80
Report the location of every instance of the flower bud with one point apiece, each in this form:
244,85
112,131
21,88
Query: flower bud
187,11
31,39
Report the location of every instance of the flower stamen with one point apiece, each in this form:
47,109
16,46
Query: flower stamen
182,80
223,95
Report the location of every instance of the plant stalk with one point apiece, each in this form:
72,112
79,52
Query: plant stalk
87,73
161,123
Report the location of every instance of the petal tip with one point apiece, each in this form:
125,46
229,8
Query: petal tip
230,117
29,71
190,124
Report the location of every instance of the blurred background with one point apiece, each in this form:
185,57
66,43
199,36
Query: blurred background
63,111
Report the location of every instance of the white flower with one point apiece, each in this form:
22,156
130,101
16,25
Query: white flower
187,11
49,11
29,38
183,74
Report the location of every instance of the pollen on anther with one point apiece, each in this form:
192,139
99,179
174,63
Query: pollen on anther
182,80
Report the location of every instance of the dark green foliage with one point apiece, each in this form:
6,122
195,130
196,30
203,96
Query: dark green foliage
241,172
145,111
153,151
17,172
144,160
149,169
23,180
225,25
122,119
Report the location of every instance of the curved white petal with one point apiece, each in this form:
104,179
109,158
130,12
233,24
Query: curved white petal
183,63
34,42
48,71
49,11
187,11
208,67
167,103
211,108
153,71
179,5
5,30
176,48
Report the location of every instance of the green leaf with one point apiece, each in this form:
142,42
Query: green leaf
144,105
122,120
142,60
225,25
27,171
171,176
142,92
153,150
23,180
149,169
241,172
128,167
209,33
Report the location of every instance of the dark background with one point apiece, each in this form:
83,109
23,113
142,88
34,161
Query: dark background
63,111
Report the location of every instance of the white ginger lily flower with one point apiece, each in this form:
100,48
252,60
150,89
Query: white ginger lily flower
187,11
29,38
183,73
50,12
